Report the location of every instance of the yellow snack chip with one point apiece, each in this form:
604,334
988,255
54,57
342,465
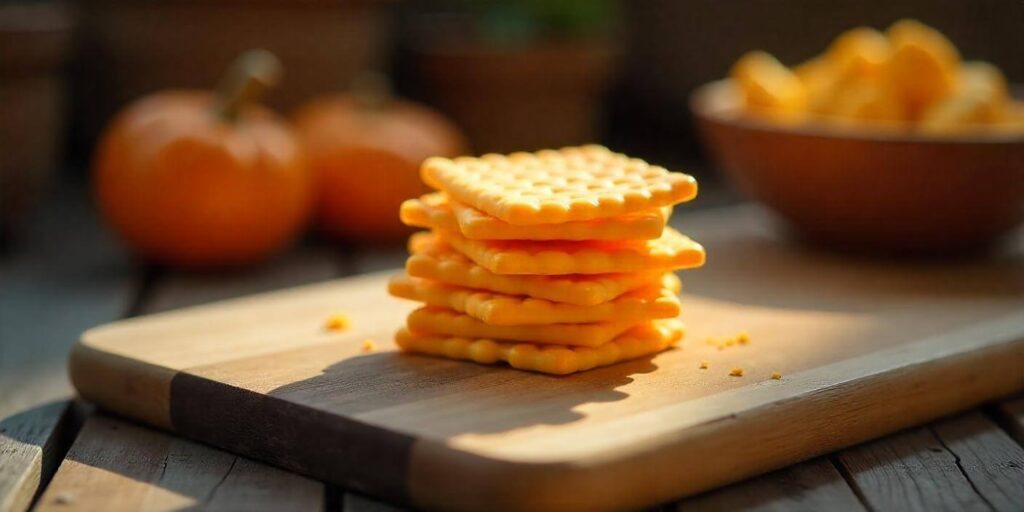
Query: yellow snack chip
556,186
499,309
768,85
981,99
436,320
868,101
820,82
923,66
672,251
985,80
958,114
436,211
637,342
433,259
859,53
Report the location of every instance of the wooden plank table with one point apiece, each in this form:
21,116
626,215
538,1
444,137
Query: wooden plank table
69,275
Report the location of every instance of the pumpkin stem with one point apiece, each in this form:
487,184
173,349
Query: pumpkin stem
372,90
248,77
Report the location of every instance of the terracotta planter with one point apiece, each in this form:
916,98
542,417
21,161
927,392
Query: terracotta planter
508,100
132,48
34,42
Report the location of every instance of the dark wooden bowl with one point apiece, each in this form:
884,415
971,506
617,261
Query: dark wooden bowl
869,190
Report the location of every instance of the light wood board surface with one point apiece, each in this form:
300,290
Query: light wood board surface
865,348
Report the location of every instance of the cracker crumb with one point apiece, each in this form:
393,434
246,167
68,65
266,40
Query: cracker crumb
740,338
369,346
736,372
776,375
703,365
337,322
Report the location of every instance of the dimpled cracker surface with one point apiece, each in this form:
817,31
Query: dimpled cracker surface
436,320
554,186
646,303
436,211
433,259
672,251
637,342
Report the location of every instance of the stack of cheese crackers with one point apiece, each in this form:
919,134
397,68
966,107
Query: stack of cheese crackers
554,261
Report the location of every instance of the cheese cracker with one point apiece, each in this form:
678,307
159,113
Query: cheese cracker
637,342
670,252
646,303
433,259
436,320
436,211
555,186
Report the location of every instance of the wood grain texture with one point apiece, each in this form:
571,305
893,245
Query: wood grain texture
64,276
810,486
843,332
117,465
961,463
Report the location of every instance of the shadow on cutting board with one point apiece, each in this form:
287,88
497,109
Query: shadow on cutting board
397,389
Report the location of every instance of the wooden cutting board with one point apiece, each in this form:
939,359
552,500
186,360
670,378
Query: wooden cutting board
864,347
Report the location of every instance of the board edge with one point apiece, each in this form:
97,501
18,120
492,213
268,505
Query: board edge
129,387
443,477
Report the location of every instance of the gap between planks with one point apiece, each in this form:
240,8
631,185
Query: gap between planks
964,462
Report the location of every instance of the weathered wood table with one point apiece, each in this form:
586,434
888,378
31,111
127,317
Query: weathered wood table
58,454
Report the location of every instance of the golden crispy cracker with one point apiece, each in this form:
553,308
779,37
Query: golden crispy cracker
433,259
637,342
555,186
646,303
436,320
437,211
670,252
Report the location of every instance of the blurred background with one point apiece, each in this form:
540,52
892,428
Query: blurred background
511,75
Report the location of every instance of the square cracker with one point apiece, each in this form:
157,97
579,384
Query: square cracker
647,303
437,211
640,341
433,259
434,320
670,252
554,186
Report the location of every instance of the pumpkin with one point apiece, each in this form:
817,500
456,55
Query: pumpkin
193,178
364,149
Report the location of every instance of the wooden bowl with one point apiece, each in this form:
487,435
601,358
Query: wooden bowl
869,190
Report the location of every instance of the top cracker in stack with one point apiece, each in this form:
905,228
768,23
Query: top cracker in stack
554,261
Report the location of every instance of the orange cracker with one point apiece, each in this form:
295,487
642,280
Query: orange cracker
646,303
433,259
672,251
637,342
436,320
555,186
436,211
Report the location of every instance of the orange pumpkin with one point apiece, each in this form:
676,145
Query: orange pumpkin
191,178
365,149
